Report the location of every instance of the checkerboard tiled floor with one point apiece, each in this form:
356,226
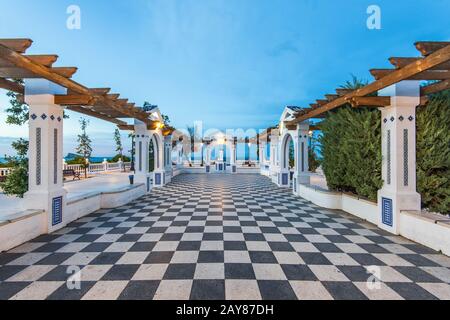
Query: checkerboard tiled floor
222,237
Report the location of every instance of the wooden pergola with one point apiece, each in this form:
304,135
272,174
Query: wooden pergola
95,102
433,65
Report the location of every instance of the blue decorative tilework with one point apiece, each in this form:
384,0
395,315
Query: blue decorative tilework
401,118
55,156
44,116
386,212
158,179
38,155
410,118
385,120
140,155
303,156
57,204
392,119
405,158
388,146
52,117
59,119
208,169
285,179
295,184
33,116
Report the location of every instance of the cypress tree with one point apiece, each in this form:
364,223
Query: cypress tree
433,153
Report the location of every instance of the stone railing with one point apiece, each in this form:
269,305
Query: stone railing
5,171
99,167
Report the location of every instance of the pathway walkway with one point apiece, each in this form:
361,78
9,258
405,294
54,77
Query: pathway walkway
222,237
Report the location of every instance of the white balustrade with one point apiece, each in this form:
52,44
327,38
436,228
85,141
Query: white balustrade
5,171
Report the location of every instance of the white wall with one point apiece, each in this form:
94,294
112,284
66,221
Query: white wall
427,230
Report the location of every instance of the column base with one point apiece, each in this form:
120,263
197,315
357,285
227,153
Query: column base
159,179
283,179
390,204
221,167
265,170
53,203
145,179
299,179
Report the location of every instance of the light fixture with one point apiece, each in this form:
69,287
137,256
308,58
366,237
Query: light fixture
159,125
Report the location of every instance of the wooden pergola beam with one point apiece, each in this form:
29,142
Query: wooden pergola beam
100,91
331,97
11,86
429,47
440,56
19,61
20,73
435,87
424,75
91,113
370,101
74,100
113,96
378,102
17,45
45,60
343,92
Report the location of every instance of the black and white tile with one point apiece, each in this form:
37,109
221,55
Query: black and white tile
222,237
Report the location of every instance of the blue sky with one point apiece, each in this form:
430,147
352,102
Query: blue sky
230,64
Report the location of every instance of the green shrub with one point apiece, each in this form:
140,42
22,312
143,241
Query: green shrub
433,153
351,149
123,157
16,182
77,160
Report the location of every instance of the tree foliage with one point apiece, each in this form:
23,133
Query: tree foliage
433,153
16,182
118,141
351,147
84,147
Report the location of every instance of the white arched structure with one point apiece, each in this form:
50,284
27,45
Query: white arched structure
162,146
281,138
221,161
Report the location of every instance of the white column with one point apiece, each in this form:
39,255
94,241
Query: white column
302,174
105,165
233,155
262,158
142,140
179,154
261,152
398,129
274,156
168,170
159,146
45,180
284,173
208,157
